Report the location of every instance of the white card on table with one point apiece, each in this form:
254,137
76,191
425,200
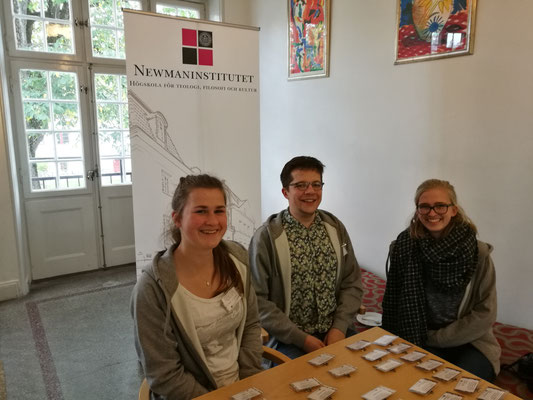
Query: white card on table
247,394
306,384
447,374
423,386
321,359
399,348
429,365
385,340
343,370
359,345
322,393
467,385
450,396
389,365
375,355
491,394
413,356
378,393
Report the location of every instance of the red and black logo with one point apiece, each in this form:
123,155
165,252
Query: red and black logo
197,47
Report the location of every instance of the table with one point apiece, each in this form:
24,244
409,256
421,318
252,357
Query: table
274,383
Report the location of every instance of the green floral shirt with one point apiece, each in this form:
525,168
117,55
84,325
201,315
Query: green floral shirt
313,274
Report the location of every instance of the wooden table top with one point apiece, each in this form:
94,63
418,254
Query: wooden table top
274,383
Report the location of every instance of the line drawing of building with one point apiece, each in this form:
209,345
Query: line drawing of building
155,150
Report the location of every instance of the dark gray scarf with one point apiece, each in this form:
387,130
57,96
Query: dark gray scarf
448,262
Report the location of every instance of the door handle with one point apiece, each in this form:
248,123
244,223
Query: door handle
92,173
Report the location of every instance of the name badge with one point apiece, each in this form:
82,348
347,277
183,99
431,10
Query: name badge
230,299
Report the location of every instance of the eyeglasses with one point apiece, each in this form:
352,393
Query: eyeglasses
301,186
440,209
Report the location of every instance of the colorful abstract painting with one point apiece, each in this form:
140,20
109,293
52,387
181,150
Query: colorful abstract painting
429,29
308,38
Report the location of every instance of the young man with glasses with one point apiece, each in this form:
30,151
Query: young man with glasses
304,271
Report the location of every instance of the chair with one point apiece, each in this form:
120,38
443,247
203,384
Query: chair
268,354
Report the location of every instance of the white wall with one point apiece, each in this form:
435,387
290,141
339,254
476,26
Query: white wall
382,129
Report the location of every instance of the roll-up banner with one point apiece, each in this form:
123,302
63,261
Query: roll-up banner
193,93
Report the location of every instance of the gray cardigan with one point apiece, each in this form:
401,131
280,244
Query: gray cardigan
271,276
172,364
476,315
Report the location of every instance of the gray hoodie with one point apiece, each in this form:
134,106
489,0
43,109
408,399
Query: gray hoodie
172,362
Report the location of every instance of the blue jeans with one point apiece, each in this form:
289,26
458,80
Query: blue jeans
468,358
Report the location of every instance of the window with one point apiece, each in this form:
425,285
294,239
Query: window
180,9
51,110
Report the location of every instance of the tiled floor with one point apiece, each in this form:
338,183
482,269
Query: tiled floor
71,338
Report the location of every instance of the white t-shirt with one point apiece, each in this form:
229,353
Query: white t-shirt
216,321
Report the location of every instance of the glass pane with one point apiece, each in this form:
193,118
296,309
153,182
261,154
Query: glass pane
68,145
43,175
57,9
125,116
33,84
29,34
127,167
132,4
25,7
36,115
101,12
59,38
66,116
71,175
108,116
110,144
63,85
104,42
121,44
111,173
168,10
41,145
124,88
126,139
106,87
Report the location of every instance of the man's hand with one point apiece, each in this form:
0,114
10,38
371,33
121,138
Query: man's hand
312,343
333,336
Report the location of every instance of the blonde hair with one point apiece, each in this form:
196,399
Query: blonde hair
417,229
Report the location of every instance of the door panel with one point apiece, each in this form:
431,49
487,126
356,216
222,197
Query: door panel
62,235
117,223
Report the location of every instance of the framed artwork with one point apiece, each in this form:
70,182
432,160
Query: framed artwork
308,38
430,29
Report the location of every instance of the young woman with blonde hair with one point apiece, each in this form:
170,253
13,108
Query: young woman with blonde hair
441,284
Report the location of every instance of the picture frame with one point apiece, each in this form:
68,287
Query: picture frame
434,29
308,38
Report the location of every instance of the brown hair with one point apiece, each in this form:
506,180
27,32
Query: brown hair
225,268
300,162
417,229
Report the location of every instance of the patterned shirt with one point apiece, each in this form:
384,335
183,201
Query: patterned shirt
313,274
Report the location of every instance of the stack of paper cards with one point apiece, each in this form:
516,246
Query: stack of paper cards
247,394
450,396
447,374
360,345
343,370
322,393
429,365
400,348
423,386
385,340
467,385
413,356
389,365
491,394
375,355
306,384
379,393
322,359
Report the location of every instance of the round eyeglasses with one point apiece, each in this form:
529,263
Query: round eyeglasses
440,209
301,186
